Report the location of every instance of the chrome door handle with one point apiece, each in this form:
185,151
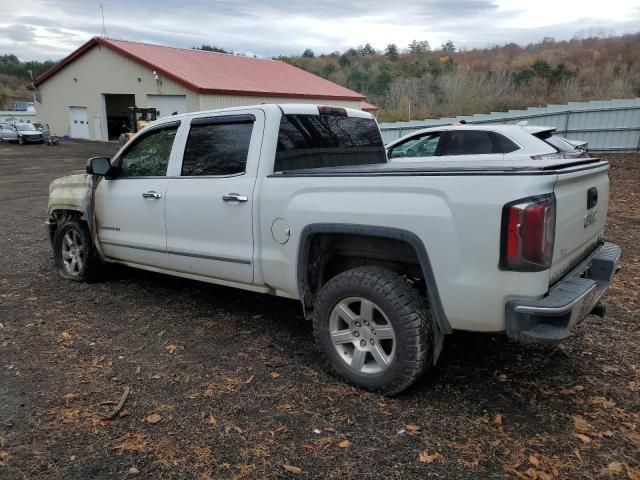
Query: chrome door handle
235,197
151,194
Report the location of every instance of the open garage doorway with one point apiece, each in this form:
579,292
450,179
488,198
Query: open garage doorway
117,109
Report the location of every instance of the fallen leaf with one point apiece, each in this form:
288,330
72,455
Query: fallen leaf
212,421
426,457
132,442
532,474
412,429
123,413
583,437
275,375
171,348
533,460
307,447
497,420
633,473
344,444
249,380
153,418
282,429
292,469
580,424
614,468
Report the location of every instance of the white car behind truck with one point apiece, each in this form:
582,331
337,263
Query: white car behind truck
300,201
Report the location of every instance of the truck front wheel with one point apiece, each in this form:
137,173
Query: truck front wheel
74,252
374,329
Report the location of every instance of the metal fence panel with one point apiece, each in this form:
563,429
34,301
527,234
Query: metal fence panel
608,125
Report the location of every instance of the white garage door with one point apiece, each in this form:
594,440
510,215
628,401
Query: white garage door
168,104
78,122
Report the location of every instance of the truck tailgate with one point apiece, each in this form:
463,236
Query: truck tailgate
582,201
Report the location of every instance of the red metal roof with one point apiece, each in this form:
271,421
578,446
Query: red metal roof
218,73
368,107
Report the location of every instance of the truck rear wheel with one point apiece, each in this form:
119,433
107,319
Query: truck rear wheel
374,329
74,252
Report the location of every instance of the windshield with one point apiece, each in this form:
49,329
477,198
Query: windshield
25,128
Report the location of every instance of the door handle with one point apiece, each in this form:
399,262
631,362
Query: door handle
152,194
235,197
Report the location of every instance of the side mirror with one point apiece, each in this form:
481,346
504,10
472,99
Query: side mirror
98,166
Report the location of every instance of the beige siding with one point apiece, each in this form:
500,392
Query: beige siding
100,71
211,102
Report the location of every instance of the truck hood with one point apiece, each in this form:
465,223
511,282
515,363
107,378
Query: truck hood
72,192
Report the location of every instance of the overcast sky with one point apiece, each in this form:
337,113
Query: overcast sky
42,29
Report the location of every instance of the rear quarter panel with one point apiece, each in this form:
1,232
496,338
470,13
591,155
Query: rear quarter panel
457,217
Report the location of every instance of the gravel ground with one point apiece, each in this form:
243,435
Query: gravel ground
228,384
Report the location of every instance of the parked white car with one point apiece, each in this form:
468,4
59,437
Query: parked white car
477,142
299,201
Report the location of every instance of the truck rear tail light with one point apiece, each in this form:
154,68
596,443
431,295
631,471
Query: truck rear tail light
335,111
528,232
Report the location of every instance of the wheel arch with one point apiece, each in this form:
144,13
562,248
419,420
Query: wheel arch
377,232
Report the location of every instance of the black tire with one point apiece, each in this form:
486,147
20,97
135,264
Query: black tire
405,309
21,140
90,267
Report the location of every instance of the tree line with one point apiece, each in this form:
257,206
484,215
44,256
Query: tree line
419,81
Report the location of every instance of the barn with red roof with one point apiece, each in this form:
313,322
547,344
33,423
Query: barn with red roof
88,93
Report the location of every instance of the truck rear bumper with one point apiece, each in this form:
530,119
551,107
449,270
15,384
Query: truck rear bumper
550,319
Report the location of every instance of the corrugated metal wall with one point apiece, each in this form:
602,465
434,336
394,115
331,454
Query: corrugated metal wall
608,125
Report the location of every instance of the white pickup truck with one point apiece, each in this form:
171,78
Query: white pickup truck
300,201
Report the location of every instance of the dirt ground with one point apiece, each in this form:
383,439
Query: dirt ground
228,384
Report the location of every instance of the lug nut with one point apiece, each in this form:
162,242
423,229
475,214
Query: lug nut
363,343
366,323
356,334
358,324
372,342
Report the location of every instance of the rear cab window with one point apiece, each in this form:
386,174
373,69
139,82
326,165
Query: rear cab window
315,141
560,144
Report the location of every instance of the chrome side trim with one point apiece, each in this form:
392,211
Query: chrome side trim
182,254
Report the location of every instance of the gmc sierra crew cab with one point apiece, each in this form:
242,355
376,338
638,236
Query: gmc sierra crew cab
300,201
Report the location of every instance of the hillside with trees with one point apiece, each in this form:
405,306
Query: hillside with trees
421,81
15,76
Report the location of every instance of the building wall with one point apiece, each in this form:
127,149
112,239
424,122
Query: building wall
100,71
212,102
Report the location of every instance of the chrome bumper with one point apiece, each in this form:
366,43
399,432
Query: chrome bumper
569,301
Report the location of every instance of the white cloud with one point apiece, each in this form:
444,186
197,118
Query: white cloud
39,29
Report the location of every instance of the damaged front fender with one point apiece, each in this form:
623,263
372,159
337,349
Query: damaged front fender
72,194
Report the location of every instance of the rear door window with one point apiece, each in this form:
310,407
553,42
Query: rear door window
469,142
218,147
316,141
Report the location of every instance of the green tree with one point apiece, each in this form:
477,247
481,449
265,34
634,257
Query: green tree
419,47
210,48
308,53
366,50
448,47
391,52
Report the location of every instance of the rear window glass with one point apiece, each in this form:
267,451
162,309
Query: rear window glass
316,141
559,143
470,143
506,145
